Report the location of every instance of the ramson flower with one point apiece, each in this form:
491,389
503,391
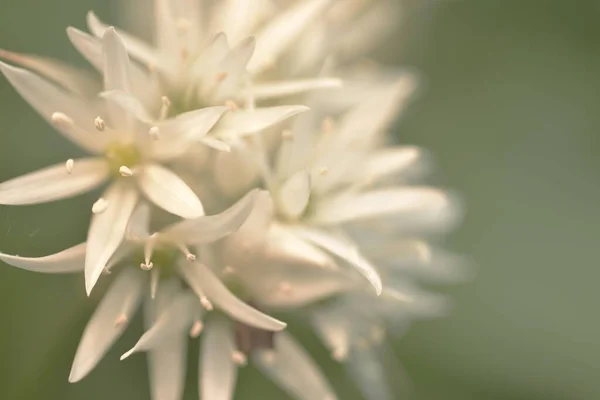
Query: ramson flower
129,146
215,54
156,269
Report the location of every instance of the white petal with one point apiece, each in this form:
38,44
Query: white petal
243,122
264,91
169,192
238,18
218,373
118,305
127,103
207,229
234,172
48,99
280,33
391,161
117,76
410,203
139,223
294,370
89,47
330,325
167,357
178,134
107,230
71,78
220,295
295,194
284,246
137,48
54,183
215,144
69,260
175,319
346,251
233,67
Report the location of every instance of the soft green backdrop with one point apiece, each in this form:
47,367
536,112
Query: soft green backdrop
510,111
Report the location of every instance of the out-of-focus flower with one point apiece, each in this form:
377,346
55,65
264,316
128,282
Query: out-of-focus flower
194,64
129,145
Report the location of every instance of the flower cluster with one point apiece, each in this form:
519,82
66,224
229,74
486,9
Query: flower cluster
248,172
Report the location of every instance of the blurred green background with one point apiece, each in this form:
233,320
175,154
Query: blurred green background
510,112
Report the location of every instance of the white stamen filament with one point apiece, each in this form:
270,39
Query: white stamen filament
100,124
99,206
154,132
328,125
239,358
154,279
187,253
125,171
166,105
69,165
196,329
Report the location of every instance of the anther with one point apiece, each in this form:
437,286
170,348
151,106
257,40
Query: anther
239,358
59,118
154,132
285,287
125,171
221,77
99,206
206,303
99,123
190,257
328,125
228,270
121,320
339,354
323,170
287,134
196,329
69,165
231,105
147,266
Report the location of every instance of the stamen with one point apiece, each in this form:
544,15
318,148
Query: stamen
106,271
99,206
221,77
69,165
196,329
154,133
287,134
166,105
188,254
285,287
99,123
323,171
147,266
231,105
185,53
125,171
121,320
206,303
268,356
339,354
154,278
183,25
328,125
239,358
59,118
228,270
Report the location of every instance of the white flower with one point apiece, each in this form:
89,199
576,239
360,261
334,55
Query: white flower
192,60
169,263
129,146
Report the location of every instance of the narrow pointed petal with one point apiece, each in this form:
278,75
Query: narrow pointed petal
243,122
234,172
48,99
174,320
329,323
54,183
208,229
108,322
107,230
290,367
215,144
279,34
69,260
233,67
266,91
128,103
167,355
392,161
218,372
136,47
179,133
117,76
238,18
295,194
410,203
220,295
71,78
344,250
169,192
89,47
